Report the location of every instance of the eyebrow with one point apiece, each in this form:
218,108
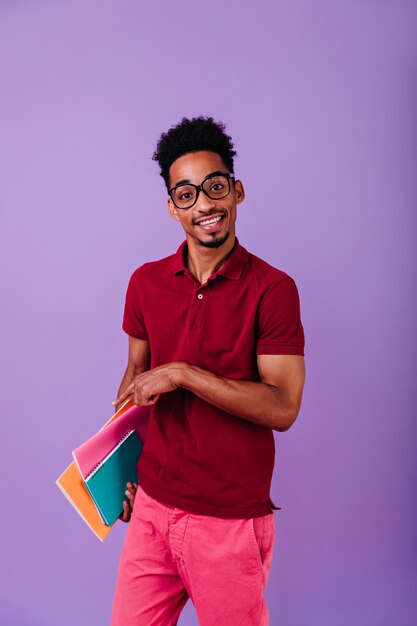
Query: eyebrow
187,181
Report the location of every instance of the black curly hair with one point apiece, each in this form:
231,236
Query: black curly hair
192,135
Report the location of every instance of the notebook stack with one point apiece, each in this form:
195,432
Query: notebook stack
95,482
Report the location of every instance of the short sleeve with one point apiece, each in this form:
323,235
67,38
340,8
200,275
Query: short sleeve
133,319
279,328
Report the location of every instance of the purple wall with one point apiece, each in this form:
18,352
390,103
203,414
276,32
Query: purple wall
320,98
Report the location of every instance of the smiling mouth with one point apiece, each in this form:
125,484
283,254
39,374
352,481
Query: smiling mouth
211,224
209,221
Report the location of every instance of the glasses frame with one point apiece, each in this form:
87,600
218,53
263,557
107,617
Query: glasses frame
200,187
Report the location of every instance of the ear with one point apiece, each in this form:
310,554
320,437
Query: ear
173,210
239,191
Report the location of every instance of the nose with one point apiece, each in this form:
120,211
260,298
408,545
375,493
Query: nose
204,203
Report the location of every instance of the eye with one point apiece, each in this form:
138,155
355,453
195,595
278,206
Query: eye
185,195
216,186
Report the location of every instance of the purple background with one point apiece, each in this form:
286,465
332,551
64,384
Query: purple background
320,98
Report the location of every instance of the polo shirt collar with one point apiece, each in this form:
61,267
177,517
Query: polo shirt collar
232,268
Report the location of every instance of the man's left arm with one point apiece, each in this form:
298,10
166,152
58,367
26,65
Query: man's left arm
274,402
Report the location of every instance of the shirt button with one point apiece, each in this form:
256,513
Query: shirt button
200,296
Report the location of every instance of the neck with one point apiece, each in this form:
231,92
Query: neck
203,262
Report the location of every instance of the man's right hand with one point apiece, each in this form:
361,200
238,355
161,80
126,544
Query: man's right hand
128,505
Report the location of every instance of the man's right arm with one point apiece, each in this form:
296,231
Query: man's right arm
138,361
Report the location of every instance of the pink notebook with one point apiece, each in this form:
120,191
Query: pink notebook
95,449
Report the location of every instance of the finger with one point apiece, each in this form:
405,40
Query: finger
131,494
132,491
125,516
123,396
119,400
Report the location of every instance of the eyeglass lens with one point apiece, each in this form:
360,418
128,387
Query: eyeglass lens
216,187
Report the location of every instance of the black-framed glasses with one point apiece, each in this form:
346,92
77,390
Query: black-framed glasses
216,186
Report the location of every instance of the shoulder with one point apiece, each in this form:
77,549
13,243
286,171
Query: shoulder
266,275
152,269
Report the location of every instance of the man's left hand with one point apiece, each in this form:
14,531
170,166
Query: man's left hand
146,388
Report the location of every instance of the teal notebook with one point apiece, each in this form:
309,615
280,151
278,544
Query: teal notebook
107,481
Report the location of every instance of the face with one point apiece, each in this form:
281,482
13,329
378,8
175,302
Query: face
209,223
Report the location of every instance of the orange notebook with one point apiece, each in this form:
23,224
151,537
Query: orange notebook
71,484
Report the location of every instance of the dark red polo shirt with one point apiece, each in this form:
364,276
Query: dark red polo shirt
197,457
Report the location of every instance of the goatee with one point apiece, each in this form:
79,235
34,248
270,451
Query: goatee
214,243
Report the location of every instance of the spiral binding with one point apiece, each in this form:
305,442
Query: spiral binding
100,464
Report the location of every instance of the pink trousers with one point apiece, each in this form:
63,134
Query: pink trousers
170,555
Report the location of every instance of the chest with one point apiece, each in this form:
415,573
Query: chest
213,326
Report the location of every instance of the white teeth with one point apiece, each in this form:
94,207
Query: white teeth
208,222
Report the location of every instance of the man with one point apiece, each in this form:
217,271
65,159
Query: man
216,347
